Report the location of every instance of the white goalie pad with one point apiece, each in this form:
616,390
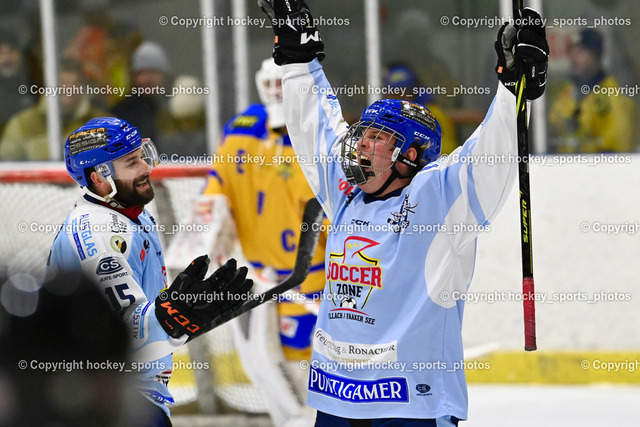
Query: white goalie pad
208,228
257,338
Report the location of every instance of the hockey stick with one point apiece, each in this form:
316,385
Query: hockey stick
525,201
311,221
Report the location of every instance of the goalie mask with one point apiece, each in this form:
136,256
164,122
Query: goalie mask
269,85
403,125
97,144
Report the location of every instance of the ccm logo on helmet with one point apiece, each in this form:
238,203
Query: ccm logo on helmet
421,135
131,135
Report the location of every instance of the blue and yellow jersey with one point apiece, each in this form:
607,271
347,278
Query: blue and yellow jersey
259,174
603,121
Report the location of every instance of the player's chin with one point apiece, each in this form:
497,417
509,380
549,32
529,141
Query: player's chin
370,186
144,190
146,194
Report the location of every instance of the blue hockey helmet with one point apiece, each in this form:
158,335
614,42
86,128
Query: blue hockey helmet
410,124
98,143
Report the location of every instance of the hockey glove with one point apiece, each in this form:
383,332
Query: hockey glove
297,39
192,303
529,45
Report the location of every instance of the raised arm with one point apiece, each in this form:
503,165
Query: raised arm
312,111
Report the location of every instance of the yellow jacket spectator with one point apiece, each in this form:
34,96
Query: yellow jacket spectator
25,135
591,114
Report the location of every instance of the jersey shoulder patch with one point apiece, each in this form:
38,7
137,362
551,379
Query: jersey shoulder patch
96,229
252,122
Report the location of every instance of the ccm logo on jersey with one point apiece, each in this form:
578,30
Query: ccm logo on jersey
107,266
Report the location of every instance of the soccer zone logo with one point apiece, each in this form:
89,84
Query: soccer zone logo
352,277
348,302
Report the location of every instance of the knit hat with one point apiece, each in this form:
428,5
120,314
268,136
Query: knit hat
187,102
150,56
399,75
591,40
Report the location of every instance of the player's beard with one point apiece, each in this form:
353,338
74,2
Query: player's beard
137,192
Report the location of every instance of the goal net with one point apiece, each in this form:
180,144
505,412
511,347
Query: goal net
37,198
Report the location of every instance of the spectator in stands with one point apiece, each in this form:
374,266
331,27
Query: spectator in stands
400,75
25,135
590,115
103,48
187,110
147,104
12,76
33,54
88,46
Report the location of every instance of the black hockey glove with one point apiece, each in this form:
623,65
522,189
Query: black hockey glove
529,45
192,303
297,39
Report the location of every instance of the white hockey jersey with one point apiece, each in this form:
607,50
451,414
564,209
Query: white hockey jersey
388,339
125,258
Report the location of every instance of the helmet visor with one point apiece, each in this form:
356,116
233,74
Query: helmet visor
149,152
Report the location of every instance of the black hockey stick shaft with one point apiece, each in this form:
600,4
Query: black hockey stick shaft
528,289
309,235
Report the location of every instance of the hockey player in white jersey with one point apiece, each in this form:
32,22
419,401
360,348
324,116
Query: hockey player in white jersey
387,347
111,237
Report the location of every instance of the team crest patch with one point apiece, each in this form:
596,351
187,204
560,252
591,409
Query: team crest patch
399,221
285,170
118,244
